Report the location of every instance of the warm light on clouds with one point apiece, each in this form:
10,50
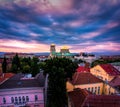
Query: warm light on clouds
82,25
20,46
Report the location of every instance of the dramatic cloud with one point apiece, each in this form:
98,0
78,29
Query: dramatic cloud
83,25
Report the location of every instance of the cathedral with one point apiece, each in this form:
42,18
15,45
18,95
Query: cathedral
64,52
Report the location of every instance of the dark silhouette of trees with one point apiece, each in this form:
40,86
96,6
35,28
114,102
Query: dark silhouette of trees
59,69
15,64
4,65
35,66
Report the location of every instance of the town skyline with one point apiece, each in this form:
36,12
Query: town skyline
83,25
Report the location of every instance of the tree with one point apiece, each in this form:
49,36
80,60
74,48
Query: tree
35,66
26,69
4,65
59,69
16,64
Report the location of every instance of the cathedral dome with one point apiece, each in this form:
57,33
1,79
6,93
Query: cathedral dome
52,44
64,47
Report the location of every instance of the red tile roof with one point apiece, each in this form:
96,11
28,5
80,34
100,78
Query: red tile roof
77,97
5,76
110,69
8,75
84,78
102,101
83,69
115,82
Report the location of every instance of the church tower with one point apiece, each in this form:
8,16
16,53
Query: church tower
52,50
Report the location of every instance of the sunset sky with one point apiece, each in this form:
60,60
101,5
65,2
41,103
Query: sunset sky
82,25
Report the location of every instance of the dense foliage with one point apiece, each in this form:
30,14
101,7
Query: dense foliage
25,65
4,65
104,61
59,69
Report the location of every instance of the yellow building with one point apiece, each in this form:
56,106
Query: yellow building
86,80
106,72
108,90
69,86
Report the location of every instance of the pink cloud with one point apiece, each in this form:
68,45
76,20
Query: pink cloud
20,46
96,47
90,35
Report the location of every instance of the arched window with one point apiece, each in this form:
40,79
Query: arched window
27,98
4,100
16,100
19,99
23,99
36,97
12,100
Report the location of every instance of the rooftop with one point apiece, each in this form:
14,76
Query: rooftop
5,76
17,82
102,101
77,97
80,78
115,82
83,69
81,98
111,70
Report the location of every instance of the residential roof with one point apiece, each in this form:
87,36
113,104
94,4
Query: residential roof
83,69
17,82
81,98
5,76
111,70
80,78
77,97
102,101
115,82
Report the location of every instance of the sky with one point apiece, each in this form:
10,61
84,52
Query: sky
81,25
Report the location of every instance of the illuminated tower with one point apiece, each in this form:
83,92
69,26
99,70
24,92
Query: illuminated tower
52,50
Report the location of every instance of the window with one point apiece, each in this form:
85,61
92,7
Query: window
95,90
98,90
12,100
92,89
20,99
27,98
36,97
23,99
4,100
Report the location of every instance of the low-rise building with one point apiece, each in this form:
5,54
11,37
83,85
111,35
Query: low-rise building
19,91
106,72
86,80
82,98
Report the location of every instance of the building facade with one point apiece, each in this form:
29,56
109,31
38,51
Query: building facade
106,72
86,80
19,91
